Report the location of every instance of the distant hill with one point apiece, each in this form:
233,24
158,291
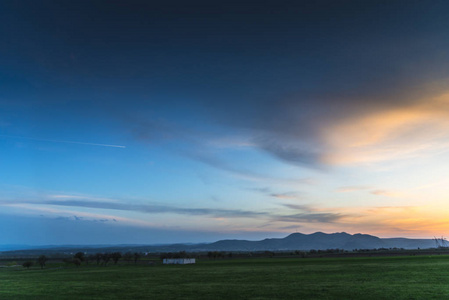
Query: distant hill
317,241
294,241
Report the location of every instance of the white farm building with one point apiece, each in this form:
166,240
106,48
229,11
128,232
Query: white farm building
178,261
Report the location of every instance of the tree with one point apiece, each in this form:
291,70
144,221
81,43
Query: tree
42,260
116,256
106,257
90,258
79,255
98,257
136,257
76,261
27,264
128,256
269,253
214,254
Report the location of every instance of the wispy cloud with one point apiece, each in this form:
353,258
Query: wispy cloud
61,141
385,193
310,214
377,220
290,227
279,195
347,189
294,153
301,207
65,197
311,218
74,215
203,146
155,209
84,219
142,208
369,189
287,195
54,204
230,142
214,161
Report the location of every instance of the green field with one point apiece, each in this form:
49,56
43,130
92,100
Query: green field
411,277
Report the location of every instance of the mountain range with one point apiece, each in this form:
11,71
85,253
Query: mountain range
319,241
294,241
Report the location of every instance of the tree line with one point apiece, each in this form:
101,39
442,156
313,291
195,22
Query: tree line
100,258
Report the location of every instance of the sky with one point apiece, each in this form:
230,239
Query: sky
150,122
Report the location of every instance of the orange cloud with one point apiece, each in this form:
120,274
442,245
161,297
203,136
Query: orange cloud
407,131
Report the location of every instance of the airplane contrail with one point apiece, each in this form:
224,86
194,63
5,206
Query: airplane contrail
61,141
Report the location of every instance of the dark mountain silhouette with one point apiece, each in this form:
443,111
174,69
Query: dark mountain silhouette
294,241
317,241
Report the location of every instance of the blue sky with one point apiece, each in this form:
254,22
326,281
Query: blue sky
144,122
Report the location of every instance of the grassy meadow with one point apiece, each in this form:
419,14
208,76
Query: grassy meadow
408,277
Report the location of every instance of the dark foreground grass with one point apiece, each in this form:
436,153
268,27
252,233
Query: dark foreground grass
271,278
